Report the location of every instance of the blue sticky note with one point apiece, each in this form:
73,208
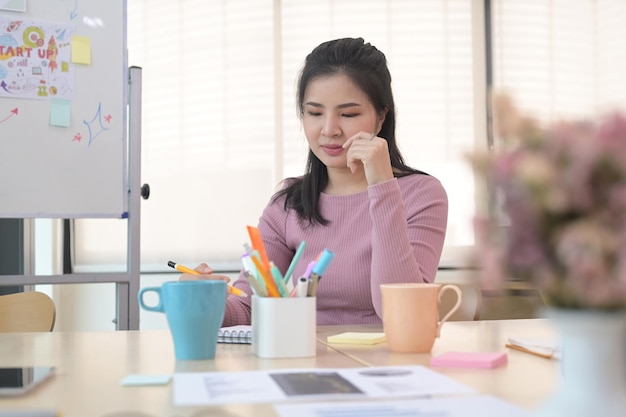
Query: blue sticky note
60,110
134,380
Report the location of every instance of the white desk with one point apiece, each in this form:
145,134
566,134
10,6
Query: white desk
90,366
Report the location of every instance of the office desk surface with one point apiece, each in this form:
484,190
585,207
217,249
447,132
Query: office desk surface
526,380
90,366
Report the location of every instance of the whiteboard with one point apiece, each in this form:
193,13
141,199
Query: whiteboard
63,109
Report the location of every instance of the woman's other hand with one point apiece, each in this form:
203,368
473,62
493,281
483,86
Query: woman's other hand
370,152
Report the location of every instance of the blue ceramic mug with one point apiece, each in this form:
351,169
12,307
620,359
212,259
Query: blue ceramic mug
194,312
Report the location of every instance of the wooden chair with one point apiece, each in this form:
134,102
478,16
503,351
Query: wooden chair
470,305
28,311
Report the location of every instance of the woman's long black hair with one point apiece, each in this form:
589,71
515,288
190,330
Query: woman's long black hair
366,66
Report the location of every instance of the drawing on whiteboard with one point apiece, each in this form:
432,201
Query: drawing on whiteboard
13,113
73,13
35,59
14,25
95,125
52,53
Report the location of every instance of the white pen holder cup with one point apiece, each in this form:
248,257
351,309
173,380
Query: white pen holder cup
283,327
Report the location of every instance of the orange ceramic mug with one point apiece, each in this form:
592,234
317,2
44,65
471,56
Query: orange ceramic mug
411,315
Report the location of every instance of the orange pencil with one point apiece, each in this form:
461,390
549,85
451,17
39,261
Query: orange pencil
270,285
257,244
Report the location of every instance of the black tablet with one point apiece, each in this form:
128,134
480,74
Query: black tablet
18,381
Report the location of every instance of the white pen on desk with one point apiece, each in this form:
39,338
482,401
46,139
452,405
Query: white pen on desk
318,271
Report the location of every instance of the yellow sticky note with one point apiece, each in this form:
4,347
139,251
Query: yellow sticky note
357,338
81,49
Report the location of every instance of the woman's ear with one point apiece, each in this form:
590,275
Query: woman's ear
381,119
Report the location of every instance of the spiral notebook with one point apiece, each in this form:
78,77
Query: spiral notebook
235,334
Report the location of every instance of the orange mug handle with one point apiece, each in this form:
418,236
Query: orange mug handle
456,306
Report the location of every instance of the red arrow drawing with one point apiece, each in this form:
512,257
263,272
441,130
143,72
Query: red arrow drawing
13,113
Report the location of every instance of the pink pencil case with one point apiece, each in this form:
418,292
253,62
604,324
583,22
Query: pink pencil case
470,359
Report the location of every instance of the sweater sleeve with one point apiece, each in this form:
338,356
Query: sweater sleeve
408,231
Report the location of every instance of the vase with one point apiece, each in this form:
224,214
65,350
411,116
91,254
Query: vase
593,364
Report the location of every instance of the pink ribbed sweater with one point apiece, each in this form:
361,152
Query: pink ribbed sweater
392,232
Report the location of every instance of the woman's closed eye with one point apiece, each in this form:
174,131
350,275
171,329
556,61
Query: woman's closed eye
346,115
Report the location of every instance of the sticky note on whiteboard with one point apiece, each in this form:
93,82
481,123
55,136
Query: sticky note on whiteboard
81,50
60,110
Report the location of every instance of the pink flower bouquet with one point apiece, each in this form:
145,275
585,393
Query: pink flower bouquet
561,191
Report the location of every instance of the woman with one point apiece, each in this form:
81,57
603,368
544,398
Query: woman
384,220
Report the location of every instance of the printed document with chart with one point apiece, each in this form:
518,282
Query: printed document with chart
209,388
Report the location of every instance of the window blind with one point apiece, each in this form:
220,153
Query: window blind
219,121
561,58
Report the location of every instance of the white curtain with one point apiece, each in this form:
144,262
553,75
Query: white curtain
219,123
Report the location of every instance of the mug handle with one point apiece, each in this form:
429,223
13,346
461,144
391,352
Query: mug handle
158,307
459,298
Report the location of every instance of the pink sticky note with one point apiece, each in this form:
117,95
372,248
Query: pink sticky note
470,359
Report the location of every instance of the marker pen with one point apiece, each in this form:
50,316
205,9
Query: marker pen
278,279
318,271
270,285
253,278
254,283
306,275
257,244
294,261
309,269
302,288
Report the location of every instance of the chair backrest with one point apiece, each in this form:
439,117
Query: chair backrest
470,305
28,311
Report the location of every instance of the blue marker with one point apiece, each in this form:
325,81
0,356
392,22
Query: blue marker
318,271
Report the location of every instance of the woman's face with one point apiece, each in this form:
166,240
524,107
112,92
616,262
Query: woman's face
335,109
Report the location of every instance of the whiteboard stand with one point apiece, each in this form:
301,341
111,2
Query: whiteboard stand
127,283
127,308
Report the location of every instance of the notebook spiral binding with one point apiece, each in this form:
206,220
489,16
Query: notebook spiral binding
235,335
